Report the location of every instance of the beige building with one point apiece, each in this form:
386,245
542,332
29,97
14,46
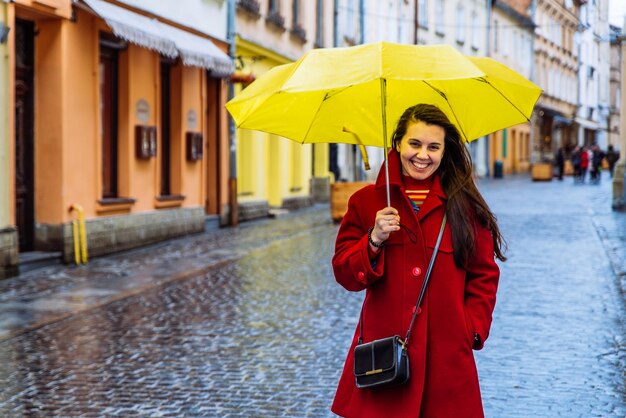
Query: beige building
615,87
463,24
512,44
556,72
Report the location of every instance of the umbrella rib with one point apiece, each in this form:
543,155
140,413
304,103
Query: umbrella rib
484,80
442,94
327,96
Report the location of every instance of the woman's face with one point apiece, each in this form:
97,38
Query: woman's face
421,149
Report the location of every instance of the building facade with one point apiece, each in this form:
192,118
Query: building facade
465,25
389,21
615,87
118,115
556,72
592,116
512,44
274,172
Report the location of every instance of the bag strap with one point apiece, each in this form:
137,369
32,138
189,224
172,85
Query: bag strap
430,269
421,295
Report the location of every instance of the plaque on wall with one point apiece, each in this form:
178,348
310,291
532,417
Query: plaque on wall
192,120
142,111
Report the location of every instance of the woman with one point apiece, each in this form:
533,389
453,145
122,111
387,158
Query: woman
386,251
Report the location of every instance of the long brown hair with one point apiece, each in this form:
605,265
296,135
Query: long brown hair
465,203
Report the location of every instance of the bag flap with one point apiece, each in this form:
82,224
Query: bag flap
376,357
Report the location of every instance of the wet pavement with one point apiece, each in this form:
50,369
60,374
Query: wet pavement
248,321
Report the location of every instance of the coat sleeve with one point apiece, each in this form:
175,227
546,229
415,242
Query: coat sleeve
351,263
481,285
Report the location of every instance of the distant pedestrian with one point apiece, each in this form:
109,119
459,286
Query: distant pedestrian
596,164
611,157
584,164
560,162
576,159
386,251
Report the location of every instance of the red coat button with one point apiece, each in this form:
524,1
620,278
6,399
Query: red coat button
417,271
361,276
419,310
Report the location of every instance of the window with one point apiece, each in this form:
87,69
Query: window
496,35
319,25
439,17
422,13
350,16
506,40
108,71
460,24
295,19
475,31
273,7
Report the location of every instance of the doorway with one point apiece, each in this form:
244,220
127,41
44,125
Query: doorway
24,133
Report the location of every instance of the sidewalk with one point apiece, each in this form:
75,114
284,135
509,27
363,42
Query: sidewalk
50,294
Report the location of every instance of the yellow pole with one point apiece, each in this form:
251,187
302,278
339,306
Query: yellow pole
80,235
83,236
76,243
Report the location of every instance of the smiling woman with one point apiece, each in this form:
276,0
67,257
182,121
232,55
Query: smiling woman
387,252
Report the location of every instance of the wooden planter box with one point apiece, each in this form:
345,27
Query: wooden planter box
340,194
541,172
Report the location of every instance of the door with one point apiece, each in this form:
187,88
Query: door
24,133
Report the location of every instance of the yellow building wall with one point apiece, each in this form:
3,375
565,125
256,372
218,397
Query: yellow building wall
512,147
321,156
273,168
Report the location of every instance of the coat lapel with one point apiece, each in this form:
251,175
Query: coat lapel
435,198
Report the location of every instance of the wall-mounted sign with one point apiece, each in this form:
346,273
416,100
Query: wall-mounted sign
142,111
192,120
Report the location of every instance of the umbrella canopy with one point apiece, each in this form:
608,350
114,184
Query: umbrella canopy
355,95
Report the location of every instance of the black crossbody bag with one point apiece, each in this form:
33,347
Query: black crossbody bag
384,363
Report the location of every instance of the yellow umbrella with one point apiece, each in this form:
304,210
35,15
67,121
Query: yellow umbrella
355,95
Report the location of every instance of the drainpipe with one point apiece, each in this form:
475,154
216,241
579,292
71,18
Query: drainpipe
232,130
5,159
534,116
488,138
416,22
336,24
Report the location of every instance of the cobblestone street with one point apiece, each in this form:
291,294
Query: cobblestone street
249,322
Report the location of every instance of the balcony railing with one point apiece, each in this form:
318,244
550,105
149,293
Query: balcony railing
297,31
252,7
274,18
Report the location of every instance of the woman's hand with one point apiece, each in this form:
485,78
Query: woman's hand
387,221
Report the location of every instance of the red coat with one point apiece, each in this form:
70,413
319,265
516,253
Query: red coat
458,302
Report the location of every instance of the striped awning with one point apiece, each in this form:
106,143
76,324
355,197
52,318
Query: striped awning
168,40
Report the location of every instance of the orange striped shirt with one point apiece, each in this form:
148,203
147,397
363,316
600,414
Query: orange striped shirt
416,190
417,196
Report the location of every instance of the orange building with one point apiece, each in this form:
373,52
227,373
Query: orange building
119,113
